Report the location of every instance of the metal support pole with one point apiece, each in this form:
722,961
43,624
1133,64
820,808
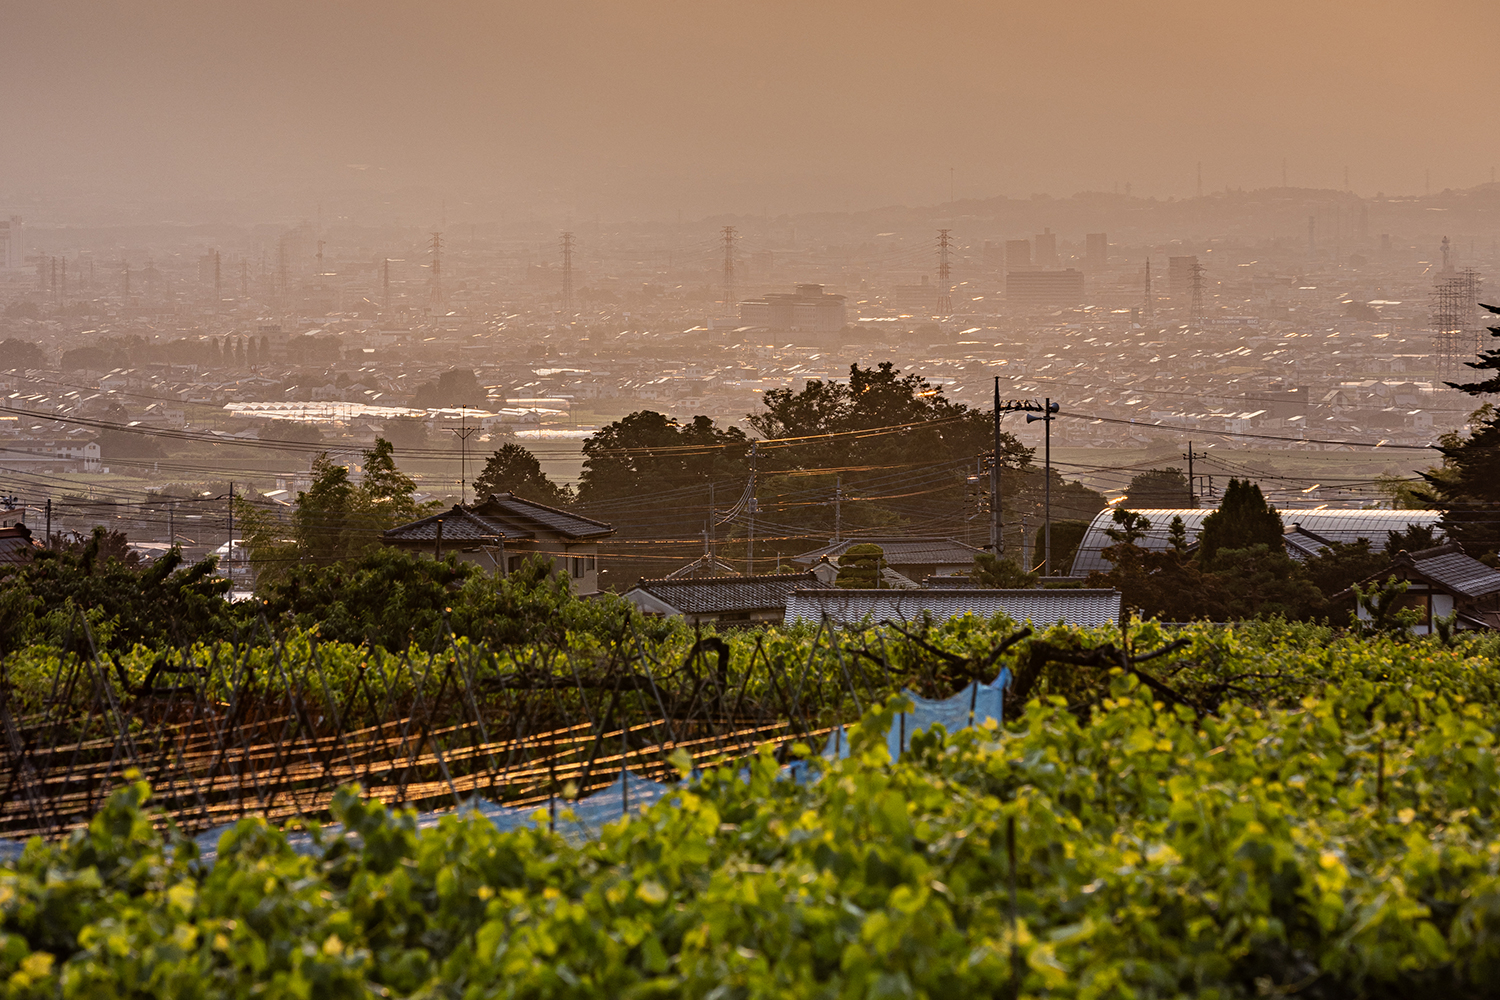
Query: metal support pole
997,541
49,523
838,508
1047,530
750,546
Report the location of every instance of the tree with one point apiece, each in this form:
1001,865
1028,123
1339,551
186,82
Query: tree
457,387
15,353
877,422
163,604
663,470
860,566
1415,538
1489,361
1005,574
1243,519
334,519
405,432
1466,486
513,469
1159,489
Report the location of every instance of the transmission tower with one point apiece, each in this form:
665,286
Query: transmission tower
1199,284
385,285
435,276
945,286
1456,333
729,236
218,283
567,289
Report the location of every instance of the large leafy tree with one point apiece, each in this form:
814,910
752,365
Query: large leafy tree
166,603
1159,489
335,518
513,469
1466,485
896,449
652,477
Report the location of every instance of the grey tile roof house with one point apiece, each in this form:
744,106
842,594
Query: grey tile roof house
499,532
1043,607
1440,581
722,599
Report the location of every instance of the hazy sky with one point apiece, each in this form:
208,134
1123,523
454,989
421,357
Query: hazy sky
648,107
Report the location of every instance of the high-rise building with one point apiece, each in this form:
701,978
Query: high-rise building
1096,252
1017,255
1045,288
809,308
1046,248
1180,275
10,243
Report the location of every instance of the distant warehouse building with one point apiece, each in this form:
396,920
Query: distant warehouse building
808,308
1045,288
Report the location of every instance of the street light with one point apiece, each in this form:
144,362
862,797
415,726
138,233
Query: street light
1048,416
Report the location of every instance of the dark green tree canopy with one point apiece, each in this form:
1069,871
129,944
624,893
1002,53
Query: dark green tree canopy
879,397
1159,489
1243,519
335,518
1466,485
458,387
648,453
859,567
16,353
513,469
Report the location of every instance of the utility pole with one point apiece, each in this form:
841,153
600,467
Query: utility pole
49,522
171,524
997,542
229,555
385,281
1048,409
838,508
567,288
1192,496
711,536
729,236
218,283
751,510
945,296
463,430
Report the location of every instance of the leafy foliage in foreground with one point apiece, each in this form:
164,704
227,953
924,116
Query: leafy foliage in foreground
1344,847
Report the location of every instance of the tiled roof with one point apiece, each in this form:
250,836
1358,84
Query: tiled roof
729,594
1306,528
900,551
501,515
1040,607
1448,567
16,546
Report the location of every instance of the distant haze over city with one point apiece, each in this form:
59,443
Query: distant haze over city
575,110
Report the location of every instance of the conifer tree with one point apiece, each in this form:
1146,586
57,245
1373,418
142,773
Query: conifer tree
1243,519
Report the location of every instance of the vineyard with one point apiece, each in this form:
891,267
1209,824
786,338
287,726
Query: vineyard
1260,811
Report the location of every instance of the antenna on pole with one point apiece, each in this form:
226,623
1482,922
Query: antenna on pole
945,297
463,430
567,284
729,235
